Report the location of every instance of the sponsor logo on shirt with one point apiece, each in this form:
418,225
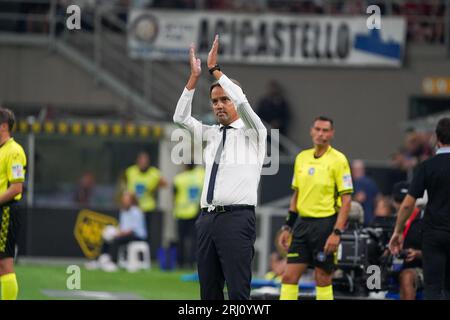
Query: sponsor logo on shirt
17,171
139,188
347,179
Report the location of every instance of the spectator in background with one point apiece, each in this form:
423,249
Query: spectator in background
217,4
401,161
383,213
438,11
175,4
85,189
307,7
132,227
366,190
144,180
36,20
188,187
415,12
411,274
273,108
356,7
417,148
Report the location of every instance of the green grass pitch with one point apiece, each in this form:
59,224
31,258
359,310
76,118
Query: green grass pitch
151,284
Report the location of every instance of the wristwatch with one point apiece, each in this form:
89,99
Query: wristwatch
216,67
337,232
286,228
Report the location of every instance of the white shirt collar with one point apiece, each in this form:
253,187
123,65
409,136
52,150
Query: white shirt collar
235,124
443,150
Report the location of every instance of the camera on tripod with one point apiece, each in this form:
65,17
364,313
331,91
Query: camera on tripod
360,248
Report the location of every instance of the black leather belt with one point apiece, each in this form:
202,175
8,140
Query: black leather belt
219,209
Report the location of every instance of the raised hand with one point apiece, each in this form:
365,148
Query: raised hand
196,68
212,55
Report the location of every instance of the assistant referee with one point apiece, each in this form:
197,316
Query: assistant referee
12,177
433,176
322,186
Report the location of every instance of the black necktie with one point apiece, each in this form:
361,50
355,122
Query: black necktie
215,167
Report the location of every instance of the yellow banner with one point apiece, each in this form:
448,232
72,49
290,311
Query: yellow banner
90,128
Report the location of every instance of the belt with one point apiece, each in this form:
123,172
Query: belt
219,209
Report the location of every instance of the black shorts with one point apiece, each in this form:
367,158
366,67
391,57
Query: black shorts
308,240
9,229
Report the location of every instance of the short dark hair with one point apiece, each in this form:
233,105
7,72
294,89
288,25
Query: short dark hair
217,84
443,131
7,116
324,118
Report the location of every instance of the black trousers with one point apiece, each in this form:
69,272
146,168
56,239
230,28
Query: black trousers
225,253
154,231
436,264
112,248
187,243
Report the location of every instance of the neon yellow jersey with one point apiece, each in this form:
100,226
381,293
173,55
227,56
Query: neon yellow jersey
143,185
320,182
12,165
188,186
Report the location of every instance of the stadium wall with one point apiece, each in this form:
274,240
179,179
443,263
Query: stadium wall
32,75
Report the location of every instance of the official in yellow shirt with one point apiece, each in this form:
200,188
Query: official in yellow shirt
144,180
12,176
322,186
188,187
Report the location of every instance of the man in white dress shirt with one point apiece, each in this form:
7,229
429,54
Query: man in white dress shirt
234,156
